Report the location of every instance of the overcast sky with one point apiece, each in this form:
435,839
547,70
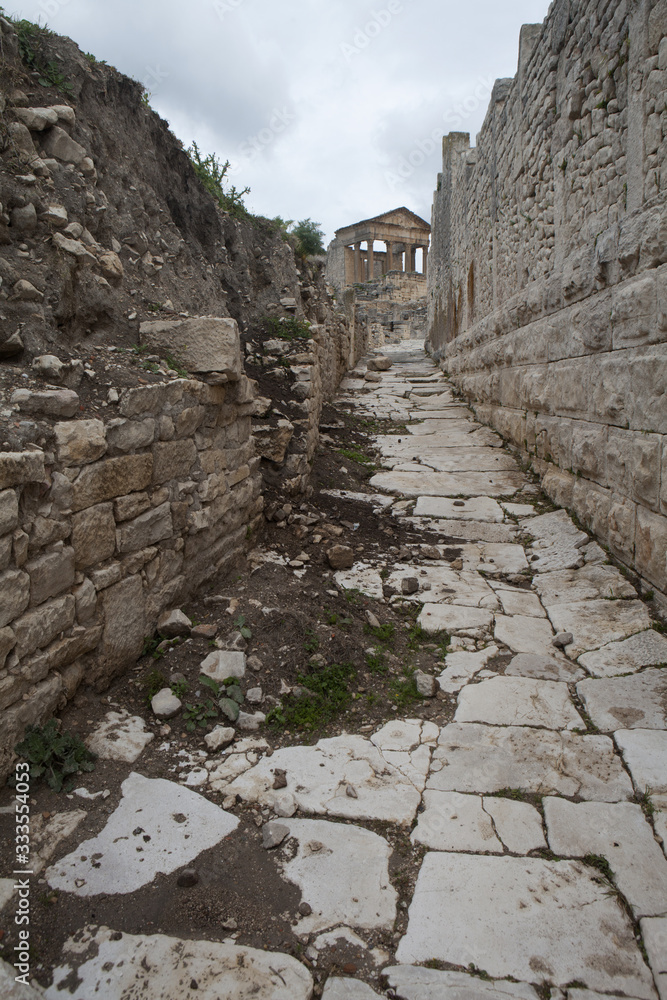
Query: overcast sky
327,109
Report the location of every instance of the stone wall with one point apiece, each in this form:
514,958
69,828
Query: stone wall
547,277
112,521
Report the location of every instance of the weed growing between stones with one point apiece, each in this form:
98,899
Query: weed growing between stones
56,757
323,696
156,681
286,329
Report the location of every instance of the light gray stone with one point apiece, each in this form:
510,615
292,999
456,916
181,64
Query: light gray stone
38,628
51,402
645,649
517,824
545,668
348,989
120,737
145,530
203,344
61,146
129,435
93,535
250,722
636,702
165,705
454,822
36,119
590,583
525,918
494,559
654,932
417,983
219,738
343,875
427,685
524,635
620,833
451,618
461,668
596,623
645,753
557,542
474,509
11,990
14,595
485,759
155,807
223,664
50,574
444,484
519,701
117,968
522,603
174,623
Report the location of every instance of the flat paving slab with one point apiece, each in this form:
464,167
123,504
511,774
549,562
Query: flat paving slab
485,759
519,701
596,623
645,649
343,874
654,930
635,702
645,753
453,618
455,822
158,826
475,509
590,583
121,737
537,921
494,559
413,982
122,966
620,833
545,668
557,542
461,668
524,634
448,484
348,989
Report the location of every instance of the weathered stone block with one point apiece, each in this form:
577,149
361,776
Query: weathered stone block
79,442
12,688
6,545
145,530
634,312
124,628
38,628
18,467
203,344
144,399
86,601
651,547
93,535
50,574
189,420
103,578
14,595
633,464
7,643
111,478
648,378
61,653
57,143
173,460
9,511
130,435
589,443
131,506
621,530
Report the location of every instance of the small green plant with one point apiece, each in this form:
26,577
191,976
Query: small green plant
156,681
179,689
151,644
602,865
283,328
383,633
644,800
176,366
403,690
240,624
511,793
376,662
355,455
213,175
199,714
312,643
54,756
146,98
328,696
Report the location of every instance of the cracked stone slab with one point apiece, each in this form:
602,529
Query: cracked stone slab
448,484
119,966
518,824
453,618
461,668
519,701
384,786
645,649
645,753
158,826
590,583
446,586
654,932
494,559
343,874
596,623
413,982
455,822
545,668
522,603
524,635
348,989
620,833
526,918
557,542
485,759
474,509
467,531
120,737
635,702
362,577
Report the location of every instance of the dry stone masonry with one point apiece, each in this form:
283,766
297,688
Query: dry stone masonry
548,267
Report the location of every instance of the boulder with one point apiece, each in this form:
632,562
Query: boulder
173,624
61,146
380,364
341,557
201,344
37,119
372,377
219,738
24,220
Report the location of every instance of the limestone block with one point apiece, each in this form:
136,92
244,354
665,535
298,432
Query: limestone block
79,442
86,600
663,479
611,390
202,344
145,530
50,574
9,511
22,139
130,435
93,535
38,628
125,626
589,442
131,506
112,477
61,146
188,420
143,400
633,464
272,442
651,547
14,595
18,467
50,402
621,528
36,119
60,653
103,578
173,460
646,409
110,265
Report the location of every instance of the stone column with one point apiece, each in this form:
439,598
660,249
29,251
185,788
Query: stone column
371,261
425,265
357,263
409,259
390,255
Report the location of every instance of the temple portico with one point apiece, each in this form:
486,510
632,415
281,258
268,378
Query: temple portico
356,260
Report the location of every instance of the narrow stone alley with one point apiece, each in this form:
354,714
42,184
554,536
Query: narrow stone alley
534,824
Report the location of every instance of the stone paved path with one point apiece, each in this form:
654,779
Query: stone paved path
541,809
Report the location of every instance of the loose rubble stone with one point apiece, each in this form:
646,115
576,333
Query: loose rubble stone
519,701
343,875
219,737
636,702
476,759
620,834
427,685
51,402
523,918
341,557
273,835
562,640
115,965
165,705
380,363
223,664
150,817
173,624
188,878
120,737
645,649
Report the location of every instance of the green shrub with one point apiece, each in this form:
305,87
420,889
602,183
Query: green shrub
309,238
212,173
56,757
287,329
